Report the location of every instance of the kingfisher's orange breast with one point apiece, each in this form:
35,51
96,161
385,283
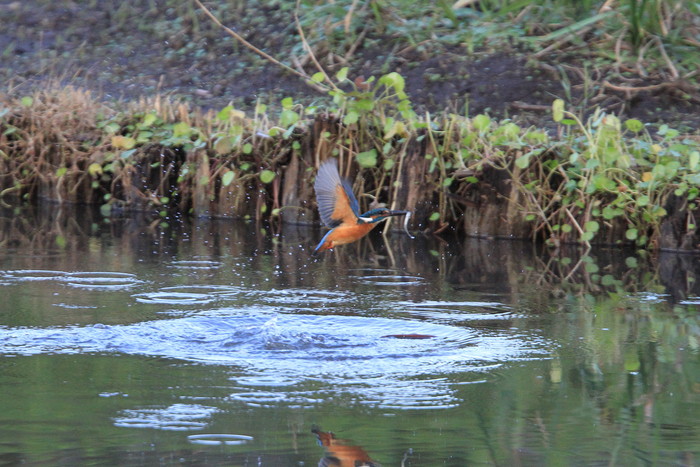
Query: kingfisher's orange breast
345,233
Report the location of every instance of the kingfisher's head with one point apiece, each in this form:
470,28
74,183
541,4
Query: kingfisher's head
377,215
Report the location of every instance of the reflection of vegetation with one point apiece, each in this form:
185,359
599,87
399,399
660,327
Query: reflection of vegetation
616,370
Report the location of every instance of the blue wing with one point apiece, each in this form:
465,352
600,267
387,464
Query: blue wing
336,202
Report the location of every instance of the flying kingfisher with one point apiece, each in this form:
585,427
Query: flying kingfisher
340,210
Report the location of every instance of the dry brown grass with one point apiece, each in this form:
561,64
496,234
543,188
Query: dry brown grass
47,142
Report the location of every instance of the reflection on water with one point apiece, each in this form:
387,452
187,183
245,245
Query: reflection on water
133,342
341,453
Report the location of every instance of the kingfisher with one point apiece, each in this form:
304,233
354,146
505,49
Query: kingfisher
340,210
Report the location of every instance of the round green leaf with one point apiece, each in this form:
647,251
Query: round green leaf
224,113
228,178
591,226
287,103
266,176
587,236
643,200
634,125
393,80
181,129
95,169
523,161
112,128
481,123
367,159
607,280
351,117
288,118
342,74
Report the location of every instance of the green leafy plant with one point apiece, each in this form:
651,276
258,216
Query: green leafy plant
606,174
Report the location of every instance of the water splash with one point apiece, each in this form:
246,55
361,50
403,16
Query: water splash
348,353
278,342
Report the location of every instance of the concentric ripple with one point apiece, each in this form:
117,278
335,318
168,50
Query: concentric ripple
219,439
456,311
188,295
177,417
385,278
97,280
349,353
197,264
300,299
366,346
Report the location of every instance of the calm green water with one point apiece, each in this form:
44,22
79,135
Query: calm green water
219,344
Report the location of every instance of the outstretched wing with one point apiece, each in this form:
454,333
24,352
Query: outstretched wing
336,203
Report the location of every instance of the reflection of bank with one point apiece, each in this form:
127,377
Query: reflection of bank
520,269
515,268
340,453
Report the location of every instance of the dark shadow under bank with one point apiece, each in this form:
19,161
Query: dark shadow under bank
521,268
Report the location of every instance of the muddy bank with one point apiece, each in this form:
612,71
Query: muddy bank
138,49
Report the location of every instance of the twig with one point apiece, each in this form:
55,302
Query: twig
577,265
632,89
525,106
353,47
607,6
560,42
463,3
397,178
413,46
576,224
307,47
618,47
522,14
679,84
250,46
348,17
672,68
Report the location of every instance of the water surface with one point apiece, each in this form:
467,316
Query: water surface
225,343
